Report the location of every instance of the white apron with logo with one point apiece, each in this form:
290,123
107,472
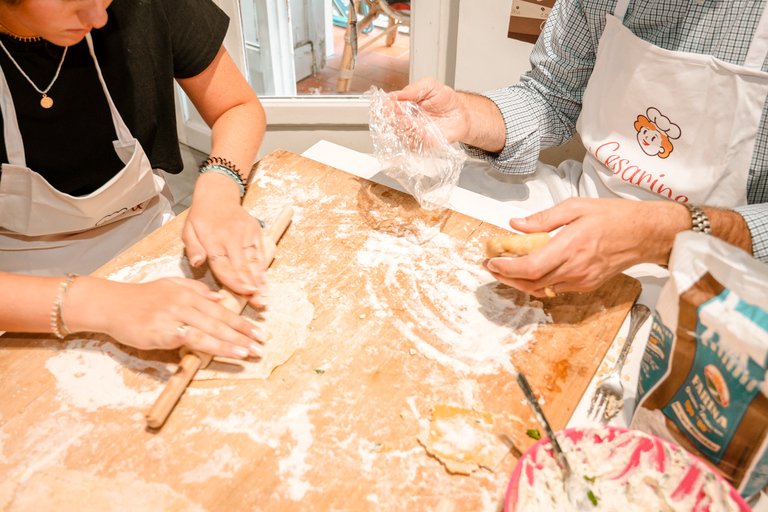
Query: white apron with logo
47,232
661,124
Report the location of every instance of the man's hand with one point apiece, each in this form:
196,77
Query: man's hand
442,104
599,238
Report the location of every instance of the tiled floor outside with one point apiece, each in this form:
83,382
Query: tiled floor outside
386,67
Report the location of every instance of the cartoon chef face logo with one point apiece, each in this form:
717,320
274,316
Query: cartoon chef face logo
655,133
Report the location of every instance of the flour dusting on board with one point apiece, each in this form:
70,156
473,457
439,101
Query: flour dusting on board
221,464
293,466
89,375
460,316
151,270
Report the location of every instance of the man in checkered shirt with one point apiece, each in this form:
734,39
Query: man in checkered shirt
661,62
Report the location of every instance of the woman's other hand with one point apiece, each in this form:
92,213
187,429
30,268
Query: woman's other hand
220,230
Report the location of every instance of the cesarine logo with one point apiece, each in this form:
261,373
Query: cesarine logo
655,133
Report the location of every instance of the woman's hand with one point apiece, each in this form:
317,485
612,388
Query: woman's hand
599,238
220,230
162,314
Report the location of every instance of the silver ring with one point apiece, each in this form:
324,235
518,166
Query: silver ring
182,330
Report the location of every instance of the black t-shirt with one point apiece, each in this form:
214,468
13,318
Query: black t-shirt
142,48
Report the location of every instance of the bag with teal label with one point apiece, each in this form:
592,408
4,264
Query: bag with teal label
702,379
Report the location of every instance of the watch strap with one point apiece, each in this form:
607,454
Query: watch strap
699,219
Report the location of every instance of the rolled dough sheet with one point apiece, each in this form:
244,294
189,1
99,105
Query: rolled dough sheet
286,320
61,489
462,439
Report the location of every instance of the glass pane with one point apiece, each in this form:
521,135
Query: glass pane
297,48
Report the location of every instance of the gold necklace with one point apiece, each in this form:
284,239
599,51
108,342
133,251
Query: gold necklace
23,39
46,101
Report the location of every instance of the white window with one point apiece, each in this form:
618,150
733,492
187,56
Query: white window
279,43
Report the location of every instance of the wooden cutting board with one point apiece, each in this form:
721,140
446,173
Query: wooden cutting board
403,319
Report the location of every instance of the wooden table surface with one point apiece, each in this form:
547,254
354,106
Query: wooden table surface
403,318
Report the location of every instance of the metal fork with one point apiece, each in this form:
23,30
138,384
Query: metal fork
611,391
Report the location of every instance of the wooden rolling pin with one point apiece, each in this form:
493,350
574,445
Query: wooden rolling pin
193,360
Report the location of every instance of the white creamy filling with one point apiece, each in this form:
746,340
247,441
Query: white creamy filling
642,487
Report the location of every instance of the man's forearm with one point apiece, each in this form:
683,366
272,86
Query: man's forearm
731,227
725,224
487,130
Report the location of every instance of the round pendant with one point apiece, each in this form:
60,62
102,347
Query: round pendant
46,102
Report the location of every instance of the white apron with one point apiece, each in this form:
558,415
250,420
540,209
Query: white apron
661,124
47,232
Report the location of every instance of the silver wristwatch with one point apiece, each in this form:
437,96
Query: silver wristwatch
699,219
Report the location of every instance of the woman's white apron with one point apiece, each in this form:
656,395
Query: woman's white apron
47,232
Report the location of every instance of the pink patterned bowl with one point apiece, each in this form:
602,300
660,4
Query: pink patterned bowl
621,469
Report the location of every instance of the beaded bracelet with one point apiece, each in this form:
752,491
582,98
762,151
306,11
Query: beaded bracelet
222,166
217,160
58,326
226,171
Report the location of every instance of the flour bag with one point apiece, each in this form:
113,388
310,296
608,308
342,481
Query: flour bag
702,379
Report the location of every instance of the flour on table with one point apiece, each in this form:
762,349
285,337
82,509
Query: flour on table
90,375
285,321
462,439
460,315
58,488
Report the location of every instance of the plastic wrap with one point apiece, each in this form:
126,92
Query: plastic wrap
412,150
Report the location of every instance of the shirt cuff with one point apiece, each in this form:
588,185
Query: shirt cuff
756,216
522,146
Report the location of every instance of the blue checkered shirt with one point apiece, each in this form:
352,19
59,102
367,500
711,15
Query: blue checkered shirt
541,111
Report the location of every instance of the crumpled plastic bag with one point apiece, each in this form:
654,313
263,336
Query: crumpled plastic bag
412,150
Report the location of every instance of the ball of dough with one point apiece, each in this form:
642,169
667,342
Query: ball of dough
512,246
515,245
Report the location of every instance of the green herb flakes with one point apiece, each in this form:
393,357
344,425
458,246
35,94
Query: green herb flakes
592,498
319,371
589,478
534,433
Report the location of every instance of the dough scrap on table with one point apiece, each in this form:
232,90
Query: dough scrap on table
462,439
58,488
